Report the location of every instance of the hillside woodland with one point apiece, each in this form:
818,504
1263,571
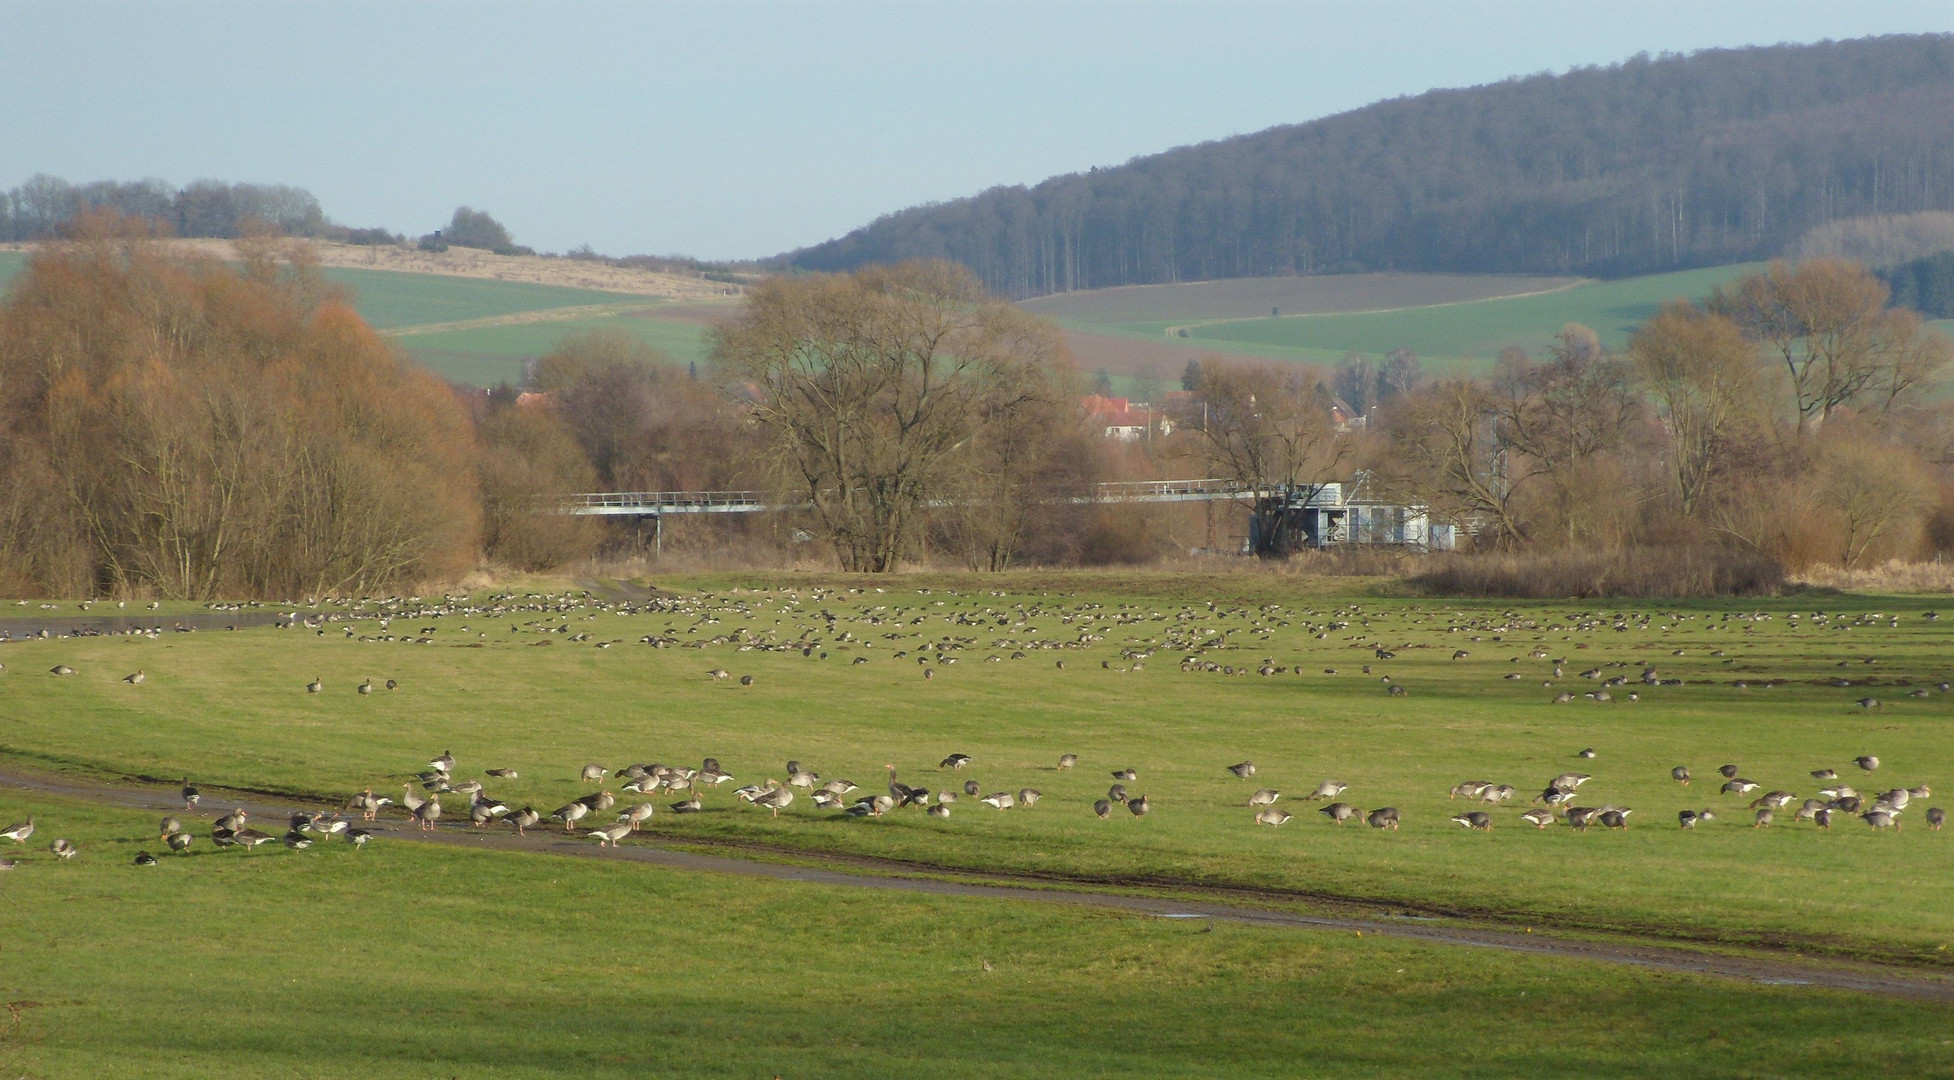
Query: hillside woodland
1653,164
179,426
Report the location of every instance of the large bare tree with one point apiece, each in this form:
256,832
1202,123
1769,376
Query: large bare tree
1268,428
872,385
1703,378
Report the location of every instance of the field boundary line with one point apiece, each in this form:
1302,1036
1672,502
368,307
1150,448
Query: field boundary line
1173,331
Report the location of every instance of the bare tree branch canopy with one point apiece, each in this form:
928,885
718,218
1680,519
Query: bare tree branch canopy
1266,427
873,383
1700,372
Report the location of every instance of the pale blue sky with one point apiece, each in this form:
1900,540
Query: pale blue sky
729,130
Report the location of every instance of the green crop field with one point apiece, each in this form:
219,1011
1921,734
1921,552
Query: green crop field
1449,337
422,954
485,355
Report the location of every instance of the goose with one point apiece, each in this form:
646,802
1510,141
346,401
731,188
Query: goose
1328,789
1867,703
1881,819
468,787
500,774
358,838
1569,780
1921,792
1339,812
1029,796
1613,819
191,796
805,780
409,801
636,816
571,813
1244,770
609,835
19,833
1739,786
1385,817
1498,794
1066,761
1126,774
315,686
135,678
1539,819
1680,774
1936,817
946,797
1554,796
1866,762
745,680
1729,771
428,812
688,806
1825,774
593,772
599,801
1471,789
369,806
1140,807
480,814
297,840
249,839
1764,819
1272,816
955,761
1475,819
1264,797
714,776
445,763
64,848
329,826
938,811
716,674
223,837
144,858
232,821
972,787
776,800
1581,816
1822,818
169,827
1898,798
1000,800
1848,803
179,842
523,819
364,688
61,669
1773,800
392,685
838,787
1117,793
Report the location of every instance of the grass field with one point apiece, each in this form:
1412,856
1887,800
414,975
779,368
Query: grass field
1449,337
229,709
420,960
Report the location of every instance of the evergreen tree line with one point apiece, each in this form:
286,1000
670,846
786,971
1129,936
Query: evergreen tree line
1647,165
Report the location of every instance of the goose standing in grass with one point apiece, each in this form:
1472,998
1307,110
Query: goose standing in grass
955,761
135,678
429,812
1384,817
1729,771
1340,812
1140,807
144,858
249,839
1264,797
1613,819
365,688
61,669
1272,816
191,796
409,801
1243,771
636,816
64,848
1117,793
1475,819
445,763
1539,819
1029,796
315,686
1881,819
169,827
571,813
1328,789
179,842
1126,774
232,821
19,833
688,806
358,838
297,840
1066,761
593,772
1000,800
1739,786
1825,774
1680,774
1103,808
500,774
1866,762
776,800
938,811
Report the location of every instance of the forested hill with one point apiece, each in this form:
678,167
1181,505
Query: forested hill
1652,164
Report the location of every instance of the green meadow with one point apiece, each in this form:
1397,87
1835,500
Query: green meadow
529,684
415,960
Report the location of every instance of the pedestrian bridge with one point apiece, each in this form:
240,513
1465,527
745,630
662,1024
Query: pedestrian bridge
660,503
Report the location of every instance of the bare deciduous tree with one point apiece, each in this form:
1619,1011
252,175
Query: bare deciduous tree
1268,428
1700,371
872,383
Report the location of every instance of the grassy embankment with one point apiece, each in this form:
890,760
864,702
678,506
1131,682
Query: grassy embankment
229,709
